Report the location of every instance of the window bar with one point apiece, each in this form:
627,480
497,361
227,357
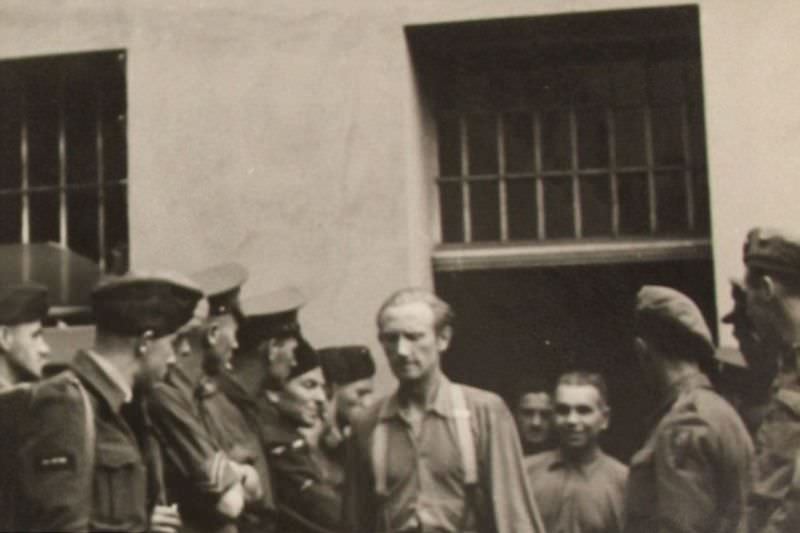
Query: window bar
651,180
465,207
25,238
687,160
612,163
537,169
101,193
501,167
62,164
576,185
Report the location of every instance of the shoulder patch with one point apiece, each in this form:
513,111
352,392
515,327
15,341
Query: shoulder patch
55,462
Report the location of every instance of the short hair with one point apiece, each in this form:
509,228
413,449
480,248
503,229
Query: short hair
532,385
443,315
593,379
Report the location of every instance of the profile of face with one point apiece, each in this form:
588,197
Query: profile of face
580,416
535,418
220,344
352,398
409,338
154,357
762,308
25,348
302,399
755,353
280,354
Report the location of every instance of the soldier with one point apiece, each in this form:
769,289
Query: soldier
693,472
579,488
210,486
23,350
433,456
772,286
534,416
349,373
77,464
206,345
309,501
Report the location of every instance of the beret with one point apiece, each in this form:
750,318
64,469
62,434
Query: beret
135,303
667,314
346,364
306,358
269,315
22,303
772,250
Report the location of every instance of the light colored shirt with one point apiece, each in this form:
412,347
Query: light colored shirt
584,497
113,374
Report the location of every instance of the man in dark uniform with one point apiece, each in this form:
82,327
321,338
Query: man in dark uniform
205,347
693,473
772,286
309,501
23,350
77,462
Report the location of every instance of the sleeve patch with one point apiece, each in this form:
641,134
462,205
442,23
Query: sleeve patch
55,462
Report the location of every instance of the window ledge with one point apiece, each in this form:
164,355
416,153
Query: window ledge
451,257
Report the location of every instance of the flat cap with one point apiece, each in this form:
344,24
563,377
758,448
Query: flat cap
22,303
773,250
346,364
221,285
668,314
136,303
270,315
306,357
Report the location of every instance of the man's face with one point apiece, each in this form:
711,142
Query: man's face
580,417
763,309
154,360
26,348
303,399
221,344
281,357
410,340
352,398
535,418
758,357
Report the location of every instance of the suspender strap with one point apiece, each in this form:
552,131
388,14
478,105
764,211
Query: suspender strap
466,443
380,448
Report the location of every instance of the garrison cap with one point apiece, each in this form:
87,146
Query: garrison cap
270,315
667,314
306,357
136,303
346,364
22,303
773,250
221,285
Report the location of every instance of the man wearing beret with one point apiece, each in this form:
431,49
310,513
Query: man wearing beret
212,457
349,372
84,460
309,500
772,286
23,350
434,455
693,473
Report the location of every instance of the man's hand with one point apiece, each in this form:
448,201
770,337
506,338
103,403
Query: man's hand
165,519
231,503
251,482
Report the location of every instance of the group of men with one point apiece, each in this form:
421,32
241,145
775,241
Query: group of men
196,409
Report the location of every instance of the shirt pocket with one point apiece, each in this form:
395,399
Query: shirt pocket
120,489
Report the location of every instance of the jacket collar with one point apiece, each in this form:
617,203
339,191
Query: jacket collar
689,382
439,403
91,373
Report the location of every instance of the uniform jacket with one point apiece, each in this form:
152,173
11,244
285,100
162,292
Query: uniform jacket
62,481
503,501
693,474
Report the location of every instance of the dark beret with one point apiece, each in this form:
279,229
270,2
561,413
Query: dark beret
269,315
22,303
665,314
221,285
306,357
133,304
772,250
346,364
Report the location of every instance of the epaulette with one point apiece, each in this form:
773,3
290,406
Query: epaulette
282,449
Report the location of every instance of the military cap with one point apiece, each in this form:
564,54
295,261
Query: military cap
136,303
221,285
668,315
270,315
21,303
773,250
346,364
306,357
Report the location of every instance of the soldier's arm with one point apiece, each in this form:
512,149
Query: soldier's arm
55,459
188,447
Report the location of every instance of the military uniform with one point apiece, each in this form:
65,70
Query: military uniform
694,472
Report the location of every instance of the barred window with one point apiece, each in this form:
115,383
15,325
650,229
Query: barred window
575,129
63,153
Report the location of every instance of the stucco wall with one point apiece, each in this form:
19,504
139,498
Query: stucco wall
286,135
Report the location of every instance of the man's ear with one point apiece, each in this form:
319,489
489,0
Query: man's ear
765,285
443,338
641,347
5,338
144,343
212,334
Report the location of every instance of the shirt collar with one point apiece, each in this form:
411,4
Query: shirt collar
585,465
113,374
440,401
